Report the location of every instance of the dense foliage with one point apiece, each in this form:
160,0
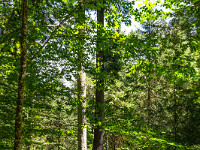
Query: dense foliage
150,76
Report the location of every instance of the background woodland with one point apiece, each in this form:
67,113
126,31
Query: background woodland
71,78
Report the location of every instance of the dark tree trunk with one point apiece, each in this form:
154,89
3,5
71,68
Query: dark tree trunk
98,131
22,75
81,85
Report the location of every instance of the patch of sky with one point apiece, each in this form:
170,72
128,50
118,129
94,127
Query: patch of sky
136,25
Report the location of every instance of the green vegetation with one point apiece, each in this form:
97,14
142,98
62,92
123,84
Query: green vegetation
70,78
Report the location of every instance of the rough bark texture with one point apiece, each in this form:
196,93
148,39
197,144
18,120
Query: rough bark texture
22,75
82,131
98,131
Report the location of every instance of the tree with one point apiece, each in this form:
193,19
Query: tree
22,75
81,86
147,82
99,110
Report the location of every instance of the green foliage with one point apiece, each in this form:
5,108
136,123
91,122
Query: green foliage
161,60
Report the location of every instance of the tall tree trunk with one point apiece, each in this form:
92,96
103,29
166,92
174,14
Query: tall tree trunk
98,131
149,103
82,131
22,75
149,83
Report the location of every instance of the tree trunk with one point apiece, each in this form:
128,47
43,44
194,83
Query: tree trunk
175,115
22,75
82,131
98,131
149,108
149,85
149,103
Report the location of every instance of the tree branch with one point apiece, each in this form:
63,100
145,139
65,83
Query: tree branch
53,33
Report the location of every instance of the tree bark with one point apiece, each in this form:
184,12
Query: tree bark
22,75
99,112
82,131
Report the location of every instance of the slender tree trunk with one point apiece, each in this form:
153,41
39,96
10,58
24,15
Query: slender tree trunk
175,115
149,85
82,131
98,131
149,106
22,75
149,103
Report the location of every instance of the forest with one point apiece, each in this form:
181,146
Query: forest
99,74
